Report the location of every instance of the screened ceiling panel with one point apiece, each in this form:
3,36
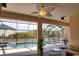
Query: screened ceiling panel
44,26
56,29
10,24
32,27
22,26
48,27
19,25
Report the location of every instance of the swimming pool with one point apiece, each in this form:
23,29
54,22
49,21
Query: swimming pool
30,44
27,44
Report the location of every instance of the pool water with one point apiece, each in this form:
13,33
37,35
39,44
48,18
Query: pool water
31,44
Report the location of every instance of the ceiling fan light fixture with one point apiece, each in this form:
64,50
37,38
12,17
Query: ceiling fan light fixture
42,12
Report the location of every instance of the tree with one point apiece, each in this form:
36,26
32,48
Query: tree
23,35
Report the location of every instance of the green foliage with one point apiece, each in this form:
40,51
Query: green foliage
23,35
51,33
40,47
55,33
2,36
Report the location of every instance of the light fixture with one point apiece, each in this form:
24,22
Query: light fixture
42,12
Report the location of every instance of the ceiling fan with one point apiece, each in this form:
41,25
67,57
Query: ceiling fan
44,10
4,5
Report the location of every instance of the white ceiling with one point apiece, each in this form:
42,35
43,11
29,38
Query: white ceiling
61,9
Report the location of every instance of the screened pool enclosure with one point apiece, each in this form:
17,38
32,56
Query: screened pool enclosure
19,34
16,33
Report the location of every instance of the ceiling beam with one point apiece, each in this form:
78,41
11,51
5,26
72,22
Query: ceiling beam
26,17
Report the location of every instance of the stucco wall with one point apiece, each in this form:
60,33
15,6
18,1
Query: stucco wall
74,32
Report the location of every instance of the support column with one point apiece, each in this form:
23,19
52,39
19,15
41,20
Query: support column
40,40
0,9
74,32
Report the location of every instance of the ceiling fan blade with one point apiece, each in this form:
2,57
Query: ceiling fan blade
50,9
4,5
49,15
40,5
34,12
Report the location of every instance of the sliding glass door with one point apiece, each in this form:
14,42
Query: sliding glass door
53,35
18,34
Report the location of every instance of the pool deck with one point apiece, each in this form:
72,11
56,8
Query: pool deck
25,51
18,51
